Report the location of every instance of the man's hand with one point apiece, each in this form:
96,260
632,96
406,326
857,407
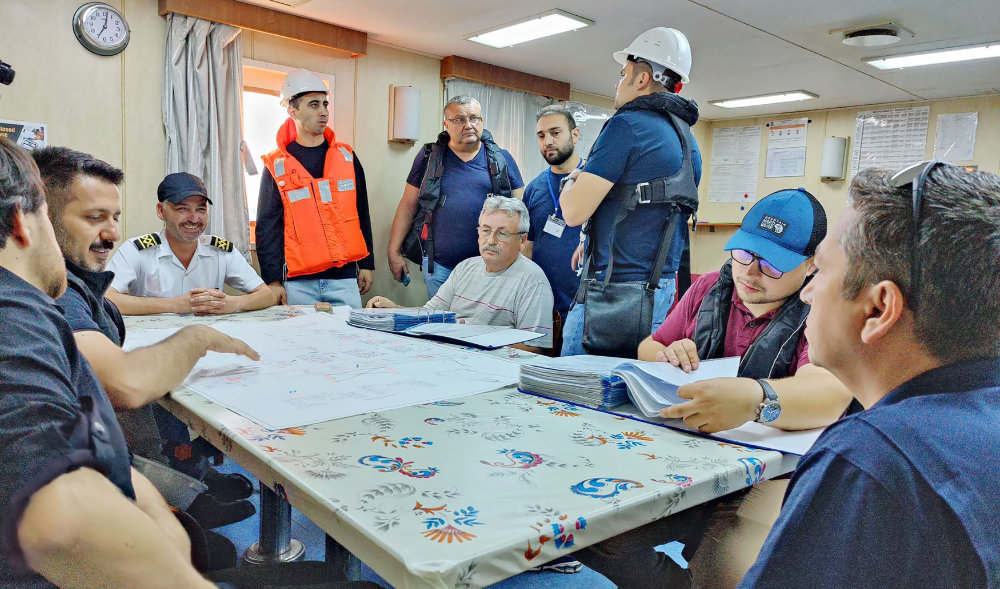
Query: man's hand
210,301
380,303
570,180
717,404
577,260
365,278
683,354
397,265
216,341
279,292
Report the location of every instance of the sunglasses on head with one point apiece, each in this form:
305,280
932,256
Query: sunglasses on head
915,175
746,258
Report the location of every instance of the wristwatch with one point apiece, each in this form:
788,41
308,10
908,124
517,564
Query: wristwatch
770,408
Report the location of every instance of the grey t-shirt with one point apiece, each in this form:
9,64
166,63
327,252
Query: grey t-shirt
519,296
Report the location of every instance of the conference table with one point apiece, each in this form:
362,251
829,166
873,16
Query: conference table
471,490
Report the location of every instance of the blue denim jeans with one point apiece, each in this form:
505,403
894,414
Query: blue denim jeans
336,292
572,334
435,279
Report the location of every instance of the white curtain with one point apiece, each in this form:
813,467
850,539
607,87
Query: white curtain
202,104
589,119
510,117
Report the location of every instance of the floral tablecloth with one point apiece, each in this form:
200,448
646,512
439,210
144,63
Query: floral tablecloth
466,492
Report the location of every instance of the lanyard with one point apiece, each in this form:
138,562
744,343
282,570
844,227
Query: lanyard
552,191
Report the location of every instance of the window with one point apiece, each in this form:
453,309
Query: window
262,115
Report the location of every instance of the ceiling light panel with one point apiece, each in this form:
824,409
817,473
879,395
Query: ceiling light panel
935,57
546,24
793,96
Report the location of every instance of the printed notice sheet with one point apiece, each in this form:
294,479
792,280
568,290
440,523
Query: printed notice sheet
735,162
955,140
316,368
786,148
890,139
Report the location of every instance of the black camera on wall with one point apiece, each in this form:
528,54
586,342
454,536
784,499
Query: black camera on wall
6,74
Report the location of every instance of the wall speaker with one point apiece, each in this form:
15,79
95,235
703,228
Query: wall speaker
833,165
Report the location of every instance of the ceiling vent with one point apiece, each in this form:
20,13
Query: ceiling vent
873,37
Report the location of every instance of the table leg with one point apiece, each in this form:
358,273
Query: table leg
342,560
276,544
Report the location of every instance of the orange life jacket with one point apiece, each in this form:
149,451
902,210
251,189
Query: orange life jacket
322,229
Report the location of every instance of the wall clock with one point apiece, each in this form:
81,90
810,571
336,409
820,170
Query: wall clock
101,28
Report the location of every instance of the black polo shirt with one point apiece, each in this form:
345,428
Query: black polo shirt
54,415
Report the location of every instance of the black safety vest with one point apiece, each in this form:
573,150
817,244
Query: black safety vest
770,355
419,240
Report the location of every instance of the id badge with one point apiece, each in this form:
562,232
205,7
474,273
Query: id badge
554,226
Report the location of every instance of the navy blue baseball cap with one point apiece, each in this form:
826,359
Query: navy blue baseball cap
180,185
784,228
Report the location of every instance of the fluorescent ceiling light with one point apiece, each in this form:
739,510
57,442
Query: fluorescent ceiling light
548,23
933,57
765,99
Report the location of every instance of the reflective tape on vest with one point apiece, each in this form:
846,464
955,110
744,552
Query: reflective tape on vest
347,154
345,185
324,191
298,194
279,166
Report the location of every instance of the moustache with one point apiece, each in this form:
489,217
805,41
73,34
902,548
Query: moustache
490,248
102,244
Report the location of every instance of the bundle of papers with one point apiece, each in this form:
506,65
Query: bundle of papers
585,380
604,382
653,385
397,319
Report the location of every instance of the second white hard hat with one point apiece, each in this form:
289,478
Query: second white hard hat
662,46
300,82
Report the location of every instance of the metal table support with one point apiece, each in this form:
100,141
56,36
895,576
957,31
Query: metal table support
276,544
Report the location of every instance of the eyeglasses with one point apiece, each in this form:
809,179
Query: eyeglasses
916,175
746,258
474,119
502,235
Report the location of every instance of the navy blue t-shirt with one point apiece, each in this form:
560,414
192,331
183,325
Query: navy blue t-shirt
904,494
464,186
636,146
54,415
553,254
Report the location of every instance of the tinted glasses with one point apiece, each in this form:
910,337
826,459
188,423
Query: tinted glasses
915,175
746,258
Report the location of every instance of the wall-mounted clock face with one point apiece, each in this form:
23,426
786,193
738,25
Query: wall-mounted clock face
101,28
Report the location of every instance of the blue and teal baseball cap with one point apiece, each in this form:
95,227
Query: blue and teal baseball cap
784,228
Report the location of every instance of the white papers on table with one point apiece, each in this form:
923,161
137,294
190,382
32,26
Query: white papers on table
397,319
955,139
316,368
653,385
485,336
750,433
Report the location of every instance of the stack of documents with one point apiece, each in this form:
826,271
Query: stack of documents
653,385
585,380
604,382
397,319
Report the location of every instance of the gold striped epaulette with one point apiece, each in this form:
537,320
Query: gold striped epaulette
146,241
223,244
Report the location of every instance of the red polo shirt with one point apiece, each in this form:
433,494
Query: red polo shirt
741,329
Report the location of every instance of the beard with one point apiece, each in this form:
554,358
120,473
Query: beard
560,156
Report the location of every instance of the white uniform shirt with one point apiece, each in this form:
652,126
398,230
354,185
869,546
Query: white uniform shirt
156,271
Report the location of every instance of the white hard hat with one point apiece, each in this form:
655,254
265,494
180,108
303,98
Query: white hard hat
300,82
663,47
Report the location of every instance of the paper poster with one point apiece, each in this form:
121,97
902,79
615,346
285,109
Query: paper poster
787,133
735,161
955,140
30,136
890,139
